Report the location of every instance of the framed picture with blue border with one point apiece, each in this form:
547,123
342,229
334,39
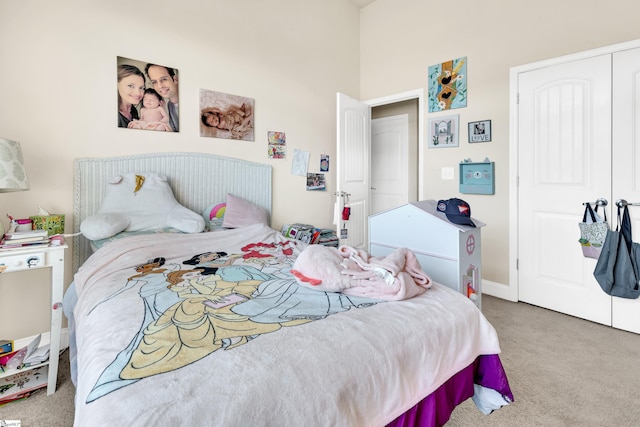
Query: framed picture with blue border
443,131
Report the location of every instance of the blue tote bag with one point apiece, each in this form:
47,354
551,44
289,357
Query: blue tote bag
617,267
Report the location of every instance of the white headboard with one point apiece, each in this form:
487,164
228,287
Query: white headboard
198,180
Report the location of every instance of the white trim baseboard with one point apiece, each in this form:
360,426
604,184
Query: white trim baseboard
498,290
45,339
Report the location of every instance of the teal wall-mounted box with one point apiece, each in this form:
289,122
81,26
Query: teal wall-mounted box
477,178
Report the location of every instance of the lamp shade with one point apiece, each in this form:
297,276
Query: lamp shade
13,175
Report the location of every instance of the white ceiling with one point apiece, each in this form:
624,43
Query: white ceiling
361,3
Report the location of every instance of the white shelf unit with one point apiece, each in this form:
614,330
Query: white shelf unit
52,257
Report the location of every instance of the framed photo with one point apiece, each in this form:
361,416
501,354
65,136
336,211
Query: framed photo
443,132
227,116
480,131
148,96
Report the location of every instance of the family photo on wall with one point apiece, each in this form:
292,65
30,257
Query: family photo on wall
148,96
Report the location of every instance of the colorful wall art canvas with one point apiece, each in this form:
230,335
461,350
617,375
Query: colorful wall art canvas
448,85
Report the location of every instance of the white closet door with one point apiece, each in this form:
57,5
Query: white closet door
564,159
626,161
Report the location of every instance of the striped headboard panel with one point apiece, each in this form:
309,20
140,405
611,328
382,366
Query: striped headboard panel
198,180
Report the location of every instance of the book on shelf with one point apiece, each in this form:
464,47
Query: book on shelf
15,399
10,246
38,355
24,238
26,233
22,383
6,346
4,358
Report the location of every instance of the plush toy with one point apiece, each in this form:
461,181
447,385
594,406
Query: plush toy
136,202
320,267
354,272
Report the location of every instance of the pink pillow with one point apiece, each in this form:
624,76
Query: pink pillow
240,212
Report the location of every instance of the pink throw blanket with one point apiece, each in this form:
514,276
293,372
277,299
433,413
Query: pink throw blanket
355,272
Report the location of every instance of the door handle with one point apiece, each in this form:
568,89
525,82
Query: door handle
602,202
621,203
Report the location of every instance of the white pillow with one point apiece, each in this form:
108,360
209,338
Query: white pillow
240,213
101,226
136,202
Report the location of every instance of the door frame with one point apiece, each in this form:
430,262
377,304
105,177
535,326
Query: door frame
406,96
510,291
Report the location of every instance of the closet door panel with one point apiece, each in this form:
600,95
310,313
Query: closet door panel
564,159
626,163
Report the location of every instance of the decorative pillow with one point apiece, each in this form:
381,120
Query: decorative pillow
136,202
105,225
214,216
240,212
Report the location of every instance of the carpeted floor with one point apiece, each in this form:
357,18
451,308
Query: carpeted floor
563,371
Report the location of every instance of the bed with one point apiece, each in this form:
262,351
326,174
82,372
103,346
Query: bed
161,335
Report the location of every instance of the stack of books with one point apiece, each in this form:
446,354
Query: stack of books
328,237
310,234
28,238
304,232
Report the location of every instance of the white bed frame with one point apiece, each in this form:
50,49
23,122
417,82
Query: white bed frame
198,180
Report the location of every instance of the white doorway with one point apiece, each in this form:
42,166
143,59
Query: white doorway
389,162
354,161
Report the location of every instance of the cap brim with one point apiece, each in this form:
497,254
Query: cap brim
461,220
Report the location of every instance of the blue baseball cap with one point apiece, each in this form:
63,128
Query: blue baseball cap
457,211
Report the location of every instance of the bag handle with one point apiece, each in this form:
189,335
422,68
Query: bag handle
588,209
604,211
625,226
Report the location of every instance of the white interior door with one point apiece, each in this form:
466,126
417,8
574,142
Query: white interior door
389,162
626,158
564,159
353,167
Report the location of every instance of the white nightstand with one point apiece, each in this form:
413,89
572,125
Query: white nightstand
52,257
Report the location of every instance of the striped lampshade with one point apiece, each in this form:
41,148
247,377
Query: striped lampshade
13,175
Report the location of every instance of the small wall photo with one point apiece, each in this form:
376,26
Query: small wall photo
316,182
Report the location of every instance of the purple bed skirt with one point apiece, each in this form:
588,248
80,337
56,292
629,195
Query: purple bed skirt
435,409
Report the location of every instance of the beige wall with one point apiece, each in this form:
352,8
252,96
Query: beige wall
400,39
58,97
57,89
